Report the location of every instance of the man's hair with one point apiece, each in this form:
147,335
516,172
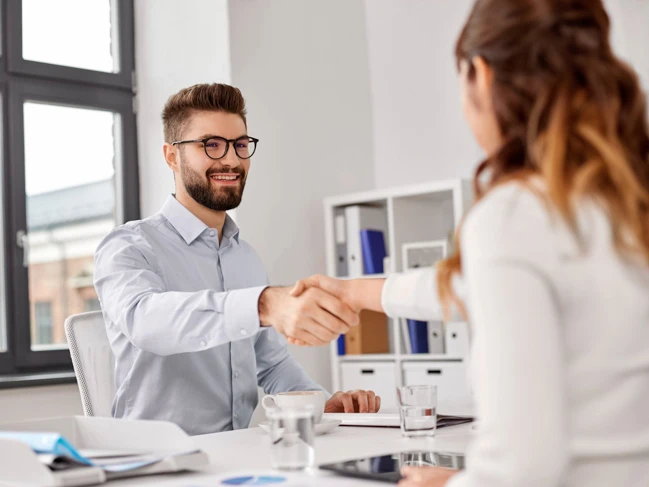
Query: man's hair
212,97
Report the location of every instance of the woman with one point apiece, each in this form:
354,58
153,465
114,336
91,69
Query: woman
553,256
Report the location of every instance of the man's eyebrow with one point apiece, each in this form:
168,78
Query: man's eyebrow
207,136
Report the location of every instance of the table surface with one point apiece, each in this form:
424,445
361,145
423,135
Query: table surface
246,452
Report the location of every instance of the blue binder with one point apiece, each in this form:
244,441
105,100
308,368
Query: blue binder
418,331
373,247
341,345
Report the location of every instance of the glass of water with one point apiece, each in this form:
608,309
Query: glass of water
418,410
292,433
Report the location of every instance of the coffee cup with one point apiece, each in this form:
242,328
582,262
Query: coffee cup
296,399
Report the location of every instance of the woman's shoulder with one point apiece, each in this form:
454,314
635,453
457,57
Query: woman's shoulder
514,218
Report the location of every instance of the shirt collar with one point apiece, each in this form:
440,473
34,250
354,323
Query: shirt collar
189,226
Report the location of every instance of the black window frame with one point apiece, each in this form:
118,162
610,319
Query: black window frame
20,81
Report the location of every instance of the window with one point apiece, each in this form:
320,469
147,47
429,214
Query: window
91,305
69,159
42,324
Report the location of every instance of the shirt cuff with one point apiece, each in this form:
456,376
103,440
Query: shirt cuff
390,301
242,312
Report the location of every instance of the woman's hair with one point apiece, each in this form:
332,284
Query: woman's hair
569,111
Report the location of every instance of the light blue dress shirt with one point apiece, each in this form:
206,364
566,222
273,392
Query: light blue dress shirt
181,314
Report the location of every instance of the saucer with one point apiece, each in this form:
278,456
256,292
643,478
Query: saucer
322,428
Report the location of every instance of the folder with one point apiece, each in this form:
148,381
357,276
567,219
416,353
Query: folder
418,331
373,247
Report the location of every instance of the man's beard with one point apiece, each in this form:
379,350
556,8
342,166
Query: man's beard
201,189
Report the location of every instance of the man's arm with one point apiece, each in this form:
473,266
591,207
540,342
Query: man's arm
134,296
277,370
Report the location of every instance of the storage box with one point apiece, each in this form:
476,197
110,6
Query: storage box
370,336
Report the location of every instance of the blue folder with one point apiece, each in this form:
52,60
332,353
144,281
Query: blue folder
373,247
418,332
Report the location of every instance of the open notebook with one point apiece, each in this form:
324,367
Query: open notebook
390,420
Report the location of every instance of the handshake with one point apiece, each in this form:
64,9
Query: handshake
317,310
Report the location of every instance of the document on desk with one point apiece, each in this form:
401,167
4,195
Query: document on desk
390,420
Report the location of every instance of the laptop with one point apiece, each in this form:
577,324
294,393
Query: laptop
386,468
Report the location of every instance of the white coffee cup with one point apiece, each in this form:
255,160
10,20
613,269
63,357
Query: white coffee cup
293,399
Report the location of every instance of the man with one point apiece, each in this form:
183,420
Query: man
191,321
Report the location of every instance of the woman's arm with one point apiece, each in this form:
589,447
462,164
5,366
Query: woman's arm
407,295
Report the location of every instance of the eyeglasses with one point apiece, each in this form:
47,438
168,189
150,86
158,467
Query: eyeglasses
217,147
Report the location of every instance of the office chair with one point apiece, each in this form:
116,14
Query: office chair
93,362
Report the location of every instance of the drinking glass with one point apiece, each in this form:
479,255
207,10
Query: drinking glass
418,410
292,433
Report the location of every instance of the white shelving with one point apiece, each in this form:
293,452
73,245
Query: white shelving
418,213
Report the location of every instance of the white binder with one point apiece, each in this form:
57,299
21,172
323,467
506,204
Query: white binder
359,218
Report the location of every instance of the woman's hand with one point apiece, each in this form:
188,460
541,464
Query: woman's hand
338,288
426,476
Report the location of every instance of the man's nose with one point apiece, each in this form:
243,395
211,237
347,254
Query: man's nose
230,159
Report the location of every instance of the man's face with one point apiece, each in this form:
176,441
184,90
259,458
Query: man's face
210,182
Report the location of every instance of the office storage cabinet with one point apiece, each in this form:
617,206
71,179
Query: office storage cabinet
379,377
410,216
450,378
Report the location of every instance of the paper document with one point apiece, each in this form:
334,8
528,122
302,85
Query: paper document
390,420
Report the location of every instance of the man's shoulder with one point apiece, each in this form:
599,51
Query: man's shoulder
134,234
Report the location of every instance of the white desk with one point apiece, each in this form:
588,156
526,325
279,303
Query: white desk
247,452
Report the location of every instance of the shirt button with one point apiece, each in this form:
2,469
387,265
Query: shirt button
203,343
243,332
236,375
212,233
235,415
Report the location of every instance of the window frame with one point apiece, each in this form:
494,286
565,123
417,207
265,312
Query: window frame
30,81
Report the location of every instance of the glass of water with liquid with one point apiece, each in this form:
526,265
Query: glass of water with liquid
292,432
418,410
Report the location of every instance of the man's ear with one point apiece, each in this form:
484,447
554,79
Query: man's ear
171,156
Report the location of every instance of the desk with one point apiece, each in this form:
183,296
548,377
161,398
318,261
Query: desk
247,452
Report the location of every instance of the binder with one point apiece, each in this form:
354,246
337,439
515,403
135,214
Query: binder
373,247
418,331
341,345
405,332
340,236
359,218
436,337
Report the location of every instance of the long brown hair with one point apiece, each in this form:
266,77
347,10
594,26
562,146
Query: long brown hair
569,111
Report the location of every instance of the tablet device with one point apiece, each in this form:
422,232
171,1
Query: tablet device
386,468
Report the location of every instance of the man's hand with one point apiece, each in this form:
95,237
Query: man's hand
314,318
425,476
353,402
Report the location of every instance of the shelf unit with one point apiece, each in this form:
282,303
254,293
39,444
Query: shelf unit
417,213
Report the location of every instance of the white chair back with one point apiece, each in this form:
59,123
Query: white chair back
93,362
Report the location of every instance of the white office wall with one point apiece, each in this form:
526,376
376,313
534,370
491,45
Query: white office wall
303,69
419,132
630,34
177,44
